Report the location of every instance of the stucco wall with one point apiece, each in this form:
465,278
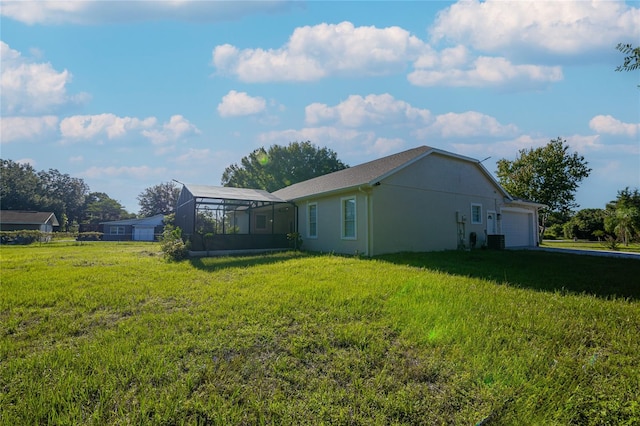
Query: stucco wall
329,221
415,208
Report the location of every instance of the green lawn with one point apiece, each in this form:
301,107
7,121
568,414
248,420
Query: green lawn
111,333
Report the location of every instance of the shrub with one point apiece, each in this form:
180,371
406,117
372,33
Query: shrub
173,245
89,236
295,240
24,237
611,243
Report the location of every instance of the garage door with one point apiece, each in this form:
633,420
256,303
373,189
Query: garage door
143,233
516,228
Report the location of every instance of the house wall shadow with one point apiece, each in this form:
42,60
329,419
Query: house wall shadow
242,261
543,271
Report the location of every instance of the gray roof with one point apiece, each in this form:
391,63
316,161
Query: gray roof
367,173
145,221
21,217
229,193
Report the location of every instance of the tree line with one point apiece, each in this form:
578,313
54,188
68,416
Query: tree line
22,187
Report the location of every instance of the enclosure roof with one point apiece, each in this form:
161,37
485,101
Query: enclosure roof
21,217
367,173
229,193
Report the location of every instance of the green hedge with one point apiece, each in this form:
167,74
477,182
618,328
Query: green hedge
24,237
32,236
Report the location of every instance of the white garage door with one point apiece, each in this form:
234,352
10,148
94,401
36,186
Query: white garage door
143,233
516,228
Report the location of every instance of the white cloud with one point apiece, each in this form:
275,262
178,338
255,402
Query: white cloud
240,103
26,128
193,156
91,126
612,126
482,71
96,12
177,128
29,161
559,28
314,52
138,172
467,124
372,109
28,87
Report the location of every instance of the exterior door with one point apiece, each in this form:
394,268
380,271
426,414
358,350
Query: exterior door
491,223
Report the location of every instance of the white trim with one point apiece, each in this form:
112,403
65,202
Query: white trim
343,218
476,222
309,205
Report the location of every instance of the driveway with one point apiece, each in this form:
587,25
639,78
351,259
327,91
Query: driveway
601,253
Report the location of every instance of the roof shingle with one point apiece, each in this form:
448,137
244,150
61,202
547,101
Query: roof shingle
362,174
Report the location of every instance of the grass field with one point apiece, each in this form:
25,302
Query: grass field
111,333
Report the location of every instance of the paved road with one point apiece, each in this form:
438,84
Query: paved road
602,253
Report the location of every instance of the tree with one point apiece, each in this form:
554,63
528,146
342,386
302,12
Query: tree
19,186
159,199
64,195
623,215
548,175
99,207
281,166
586,224
632,60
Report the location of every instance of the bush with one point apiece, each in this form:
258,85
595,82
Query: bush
89,236
173,245
554,232
24,237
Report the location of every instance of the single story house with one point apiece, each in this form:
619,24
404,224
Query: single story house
422,199
144,229
19,220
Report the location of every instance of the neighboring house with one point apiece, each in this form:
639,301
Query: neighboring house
18,220
145,229
422,199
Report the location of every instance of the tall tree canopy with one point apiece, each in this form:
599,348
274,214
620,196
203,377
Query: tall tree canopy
548,175
159,199
99,207
281,166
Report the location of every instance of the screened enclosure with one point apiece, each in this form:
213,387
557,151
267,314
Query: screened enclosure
223,218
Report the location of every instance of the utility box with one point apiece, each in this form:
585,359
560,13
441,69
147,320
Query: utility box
495,242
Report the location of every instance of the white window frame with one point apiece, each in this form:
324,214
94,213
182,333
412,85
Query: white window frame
343,218
116,230
309,223
477,221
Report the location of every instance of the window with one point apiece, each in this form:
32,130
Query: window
476,213
117,230
349,218
261,221
312,229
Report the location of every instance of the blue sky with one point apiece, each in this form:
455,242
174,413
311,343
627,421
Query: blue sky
129,94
